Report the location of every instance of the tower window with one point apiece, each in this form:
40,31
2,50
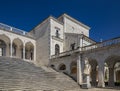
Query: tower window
57,49
57,33
72,46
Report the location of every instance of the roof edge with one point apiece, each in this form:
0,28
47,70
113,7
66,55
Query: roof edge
75,20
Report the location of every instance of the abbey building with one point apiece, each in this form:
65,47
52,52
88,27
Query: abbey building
63,43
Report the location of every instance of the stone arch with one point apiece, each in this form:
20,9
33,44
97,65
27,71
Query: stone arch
6,41
111,62
29,51
17,47
4,37
62,67
18,41
57,49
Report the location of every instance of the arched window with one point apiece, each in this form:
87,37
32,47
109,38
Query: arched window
62,67
72,46
2,48
57,49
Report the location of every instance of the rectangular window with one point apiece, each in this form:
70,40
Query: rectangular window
57,32
72,46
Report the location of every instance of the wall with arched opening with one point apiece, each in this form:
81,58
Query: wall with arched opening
29,51
62,67
18,47
5,41
112,61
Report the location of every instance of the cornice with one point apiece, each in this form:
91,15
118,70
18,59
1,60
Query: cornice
58,39
74,20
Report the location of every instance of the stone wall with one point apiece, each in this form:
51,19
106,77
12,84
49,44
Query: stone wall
54,25
67,61
42,33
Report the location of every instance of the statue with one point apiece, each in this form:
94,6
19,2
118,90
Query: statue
86,72
87,67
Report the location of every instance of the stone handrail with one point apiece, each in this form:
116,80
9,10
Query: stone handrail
106,43
90,47
15,30
65,53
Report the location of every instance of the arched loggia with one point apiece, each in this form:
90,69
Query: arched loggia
112,62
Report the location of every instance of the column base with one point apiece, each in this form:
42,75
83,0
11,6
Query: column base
101,85
87,83
86,86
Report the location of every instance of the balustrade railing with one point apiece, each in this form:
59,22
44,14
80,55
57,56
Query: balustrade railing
90,47
9,28
102,44
65,53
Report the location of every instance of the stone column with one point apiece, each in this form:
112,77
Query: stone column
101,75
81,42
11,42
79,71
24,51
111,77
34,53
7,50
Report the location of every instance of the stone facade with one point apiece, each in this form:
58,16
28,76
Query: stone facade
16,44
63,43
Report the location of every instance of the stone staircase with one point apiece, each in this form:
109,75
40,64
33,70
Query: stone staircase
18,75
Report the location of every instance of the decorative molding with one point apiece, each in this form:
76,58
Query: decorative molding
58,39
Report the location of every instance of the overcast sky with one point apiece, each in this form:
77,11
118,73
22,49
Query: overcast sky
103,16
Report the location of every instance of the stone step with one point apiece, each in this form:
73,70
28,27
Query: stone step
16,74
